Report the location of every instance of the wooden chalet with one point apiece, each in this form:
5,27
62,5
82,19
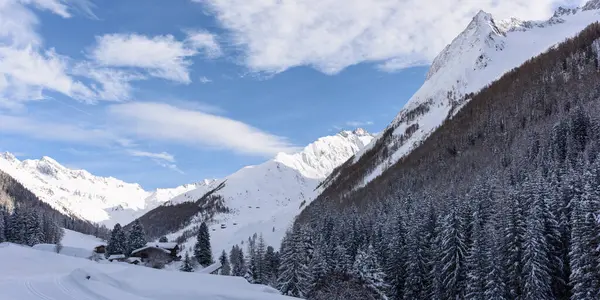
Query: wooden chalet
100,249
158,252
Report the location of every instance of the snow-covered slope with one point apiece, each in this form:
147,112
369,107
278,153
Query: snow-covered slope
45,275
482,53
266,198
97,199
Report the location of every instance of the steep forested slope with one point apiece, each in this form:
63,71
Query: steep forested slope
498,203
481,54
21,213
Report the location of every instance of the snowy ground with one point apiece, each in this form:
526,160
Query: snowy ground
30,274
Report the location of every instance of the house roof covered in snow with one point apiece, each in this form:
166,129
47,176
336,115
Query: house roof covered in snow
116,256
168,246
211,268
150,247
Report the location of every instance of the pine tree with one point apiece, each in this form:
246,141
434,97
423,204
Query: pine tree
344,261
2,227
117,243
369,271
453,254
476,263
583,277
259,266
536,275
163,239
317,269
271,264
236,258
294,278
187,264
495,289
397,260
137,237
202,250
225,268
16,231
514,235
33,229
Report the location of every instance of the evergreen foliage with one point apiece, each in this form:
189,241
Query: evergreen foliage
202,249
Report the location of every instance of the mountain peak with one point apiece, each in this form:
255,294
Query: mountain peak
9,157
481,33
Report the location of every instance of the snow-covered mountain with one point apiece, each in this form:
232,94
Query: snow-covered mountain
105,200
266,198
482,53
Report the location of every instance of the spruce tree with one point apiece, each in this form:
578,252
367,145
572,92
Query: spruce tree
117,243
137,236
476,263
294,278
33,229
495,289
536,273
202,250
16,231
2,227
187,264
397,260
225,267
368,270
238,264
453,273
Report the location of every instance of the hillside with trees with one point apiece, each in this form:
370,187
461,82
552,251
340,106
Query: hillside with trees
24,219
500,202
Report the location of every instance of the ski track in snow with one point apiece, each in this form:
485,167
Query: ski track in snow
30,274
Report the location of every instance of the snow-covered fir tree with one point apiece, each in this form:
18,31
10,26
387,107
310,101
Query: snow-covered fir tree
225,267
187,265
202,249
137,236
367,269
117,244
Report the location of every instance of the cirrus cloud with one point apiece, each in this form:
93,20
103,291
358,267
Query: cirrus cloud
167,123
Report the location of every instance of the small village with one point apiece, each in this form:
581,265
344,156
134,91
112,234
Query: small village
156,255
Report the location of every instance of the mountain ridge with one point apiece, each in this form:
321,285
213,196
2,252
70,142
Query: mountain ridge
483,52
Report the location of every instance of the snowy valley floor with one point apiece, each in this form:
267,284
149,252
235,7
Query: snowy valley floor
30,274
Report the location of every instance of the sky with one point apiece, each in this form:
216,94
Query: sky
164,93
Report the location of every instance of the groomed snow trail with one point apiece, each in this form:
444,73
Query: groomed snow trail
30,274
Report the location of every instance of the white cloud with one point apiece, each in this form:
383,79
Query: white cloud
163,122
162,155
55,6
161,56
204,41
358,123
204,79
60,131
27,70
331,35
163,159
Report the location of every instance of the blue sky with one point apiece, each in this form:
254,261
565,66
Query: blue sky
169,92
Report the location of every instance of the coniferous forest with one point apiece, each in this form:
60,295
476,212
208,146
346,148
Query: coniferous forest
24,219
501,202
